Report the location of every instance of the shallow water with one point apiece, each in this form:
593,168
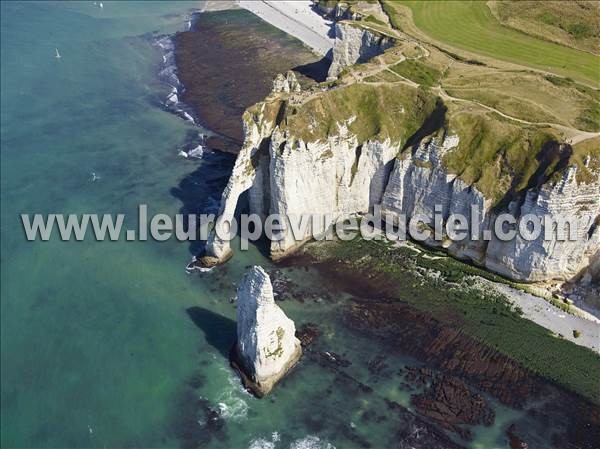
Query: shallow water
113,344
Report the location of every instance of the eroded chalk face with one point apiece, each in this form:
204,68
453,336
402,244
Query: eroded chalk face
266,345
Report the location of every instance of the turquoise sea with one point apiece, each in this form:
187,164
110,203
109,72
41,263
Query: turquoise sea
113,344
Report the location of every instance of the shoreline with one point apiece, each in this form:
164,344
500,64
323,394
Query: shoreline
403,281
547,315
535,307
226,62
296,18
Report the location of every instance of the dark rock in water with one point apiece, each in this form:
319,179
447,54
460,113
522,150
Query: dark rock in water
581,421
513,440
416,433
372,416
198,423
377,365
451,403
307,333
197,380
283,287
424,337
337,360
227,63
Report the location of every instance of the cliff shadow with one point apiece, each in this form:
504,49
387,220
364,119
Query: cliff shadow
433,123
262,244
200,191
220,332
552,158
317,70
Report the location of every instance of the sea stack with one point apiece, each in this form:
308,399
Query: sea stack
266,347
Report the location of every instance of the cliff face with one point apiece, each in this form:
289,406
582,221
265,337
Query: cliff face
345,149
539,259
266,347
333,177
354,44
420,182
291,167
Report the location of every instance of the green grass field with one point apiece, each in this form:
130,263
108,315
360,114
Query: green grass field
470,25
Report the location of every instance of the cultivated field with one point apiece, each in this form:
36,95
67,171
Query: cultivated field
472,27
577,25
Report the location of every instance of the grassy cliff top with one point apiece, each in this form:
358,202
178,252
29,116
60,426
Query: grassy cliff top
511,121
370,112
587,150
498,156
574,24
503,158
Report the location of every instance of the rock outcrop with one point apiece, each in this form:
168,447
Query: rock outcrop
286,83
452,404
266,347
355,44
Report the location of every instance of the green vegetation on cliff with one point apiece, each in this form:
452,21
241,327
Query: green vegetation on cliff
370,112
499,156
587,151
527,95
417,71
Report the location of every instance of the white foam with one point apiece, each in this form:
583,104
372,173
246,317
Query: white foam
311,442
231,404
261,443
196,152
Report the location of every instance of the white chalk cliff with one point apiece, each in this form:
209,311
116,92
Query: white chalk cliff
354,44
286,83
298,169
266,343
419,183
339,175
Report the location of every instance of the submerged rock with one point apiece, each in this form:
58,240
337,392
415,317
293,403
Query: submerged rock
266,347
451,403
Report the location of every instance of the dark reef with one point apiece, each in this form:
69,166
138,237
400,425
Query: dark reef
227,62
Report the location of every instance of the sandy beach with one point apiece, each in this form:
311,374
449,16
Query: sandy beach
295,18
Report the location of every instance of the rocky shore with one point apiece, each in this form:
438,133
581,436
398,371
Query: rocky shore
226,63
459,376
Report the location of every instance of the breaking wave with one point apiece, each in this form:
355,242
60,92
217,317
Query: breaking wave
311,442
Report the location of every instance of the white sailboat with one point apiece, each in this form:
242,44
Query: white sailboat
57,56
101,5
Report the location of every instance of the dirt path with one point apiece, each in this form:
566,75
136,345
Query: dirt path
575,135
